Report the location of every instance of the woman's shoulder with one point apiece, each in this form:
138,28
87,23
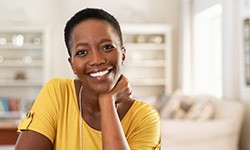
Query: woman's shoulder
141,108
141,114
59,85
141,105
59,80
55,82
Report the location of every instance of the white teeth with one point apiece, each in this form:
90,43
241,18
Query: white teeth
97,74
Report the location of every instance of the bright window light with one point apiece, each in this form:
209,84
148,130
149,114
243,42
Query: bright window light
207,59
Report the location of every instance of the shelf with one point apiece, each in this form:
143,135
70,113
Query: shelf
15,83
147,82
21,64
145,46
138,28
11,114
9,124
32,46
145,63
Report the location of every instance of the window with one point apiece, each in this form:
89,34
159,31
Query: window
206,53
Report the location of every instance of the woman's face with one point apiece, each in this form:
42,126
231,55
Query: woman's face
96,55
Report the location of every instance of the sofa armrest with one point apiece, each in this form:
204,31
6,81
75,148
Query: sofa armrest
187,130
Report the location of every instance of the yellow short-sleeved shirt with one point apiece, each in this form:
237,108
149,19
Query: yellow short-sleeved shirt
55,114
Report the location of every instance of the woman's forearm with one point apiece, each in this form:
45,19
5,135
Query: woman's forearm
113,137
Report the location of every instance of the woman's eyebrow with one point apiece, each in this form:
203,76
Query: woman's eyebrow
81,44
105,40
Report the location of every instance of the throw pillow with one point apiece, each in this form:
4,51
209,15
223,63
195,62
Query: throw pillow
202,109
176,106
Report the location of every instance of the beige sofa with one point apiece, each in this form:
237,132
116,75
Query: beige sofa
220,133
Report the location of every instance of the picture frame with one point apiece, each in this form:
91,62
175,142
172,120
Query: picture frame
246,47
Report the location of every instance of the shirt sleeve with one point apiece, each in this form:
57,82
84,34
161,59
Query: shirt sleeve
146,134
42,116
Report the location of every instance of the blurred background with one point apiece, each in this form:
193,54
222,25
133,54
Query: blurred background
192,47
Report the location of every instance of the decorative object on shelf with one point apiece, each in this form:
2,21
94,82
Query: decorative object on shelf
20,75
37,41
247,50
140,39
3,41
18,40
157,39
20,60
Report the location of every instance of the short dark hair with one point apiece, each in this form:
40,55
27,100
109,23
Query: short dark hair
89,13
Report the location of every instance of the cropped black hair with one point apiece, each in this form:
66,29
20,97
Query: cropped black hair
90,13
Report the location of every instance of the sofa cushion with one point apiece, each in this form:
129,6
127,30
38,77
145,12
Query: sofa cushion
181,106
203,108
177,106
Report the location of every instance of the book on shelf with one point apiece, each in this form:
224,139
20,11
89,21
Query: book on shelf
12,105
4,106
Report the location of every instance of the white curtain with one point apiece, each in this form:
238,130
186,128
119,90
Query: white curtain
231,49
185,48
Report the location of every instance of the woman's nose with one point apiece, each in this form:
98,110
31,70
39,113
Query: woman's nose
97,59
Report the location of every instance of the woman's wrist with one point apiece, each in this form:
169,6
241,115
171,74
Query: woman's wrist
106,99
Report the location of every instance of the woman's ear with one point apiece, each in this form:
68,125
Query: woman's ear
123,54
70,62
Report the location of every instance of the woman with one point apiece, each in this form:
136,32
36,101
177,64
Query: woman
95,111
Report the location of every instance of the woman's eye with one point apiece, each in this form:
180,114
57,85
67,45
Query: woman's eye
82,53
107,47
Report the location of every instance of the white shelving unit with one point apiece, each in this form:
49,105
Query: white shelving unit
22,66
148,64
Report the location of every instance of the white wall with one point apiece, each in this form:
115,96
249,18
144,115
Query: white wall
28,12
200,5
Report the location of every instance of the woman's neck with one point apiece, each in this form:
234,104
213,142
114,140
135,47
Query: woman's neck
90,101
89,98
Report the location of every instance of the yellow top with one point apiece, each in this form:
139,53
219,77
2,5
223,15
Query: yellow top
55,114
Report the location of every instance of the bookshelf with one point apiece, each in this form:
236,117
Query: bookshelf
22,66
148,64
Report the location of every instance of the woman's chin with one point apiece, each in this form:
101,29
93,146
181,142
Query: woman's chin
103,90
105,87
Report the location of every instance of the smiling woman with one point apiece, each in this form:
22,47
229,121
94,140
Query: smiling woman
96,110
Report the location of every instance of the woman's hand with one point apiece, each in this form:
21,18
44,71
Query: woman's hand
122,92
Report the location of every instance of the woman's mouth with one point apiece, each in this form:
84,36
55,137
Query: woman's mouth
99,73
